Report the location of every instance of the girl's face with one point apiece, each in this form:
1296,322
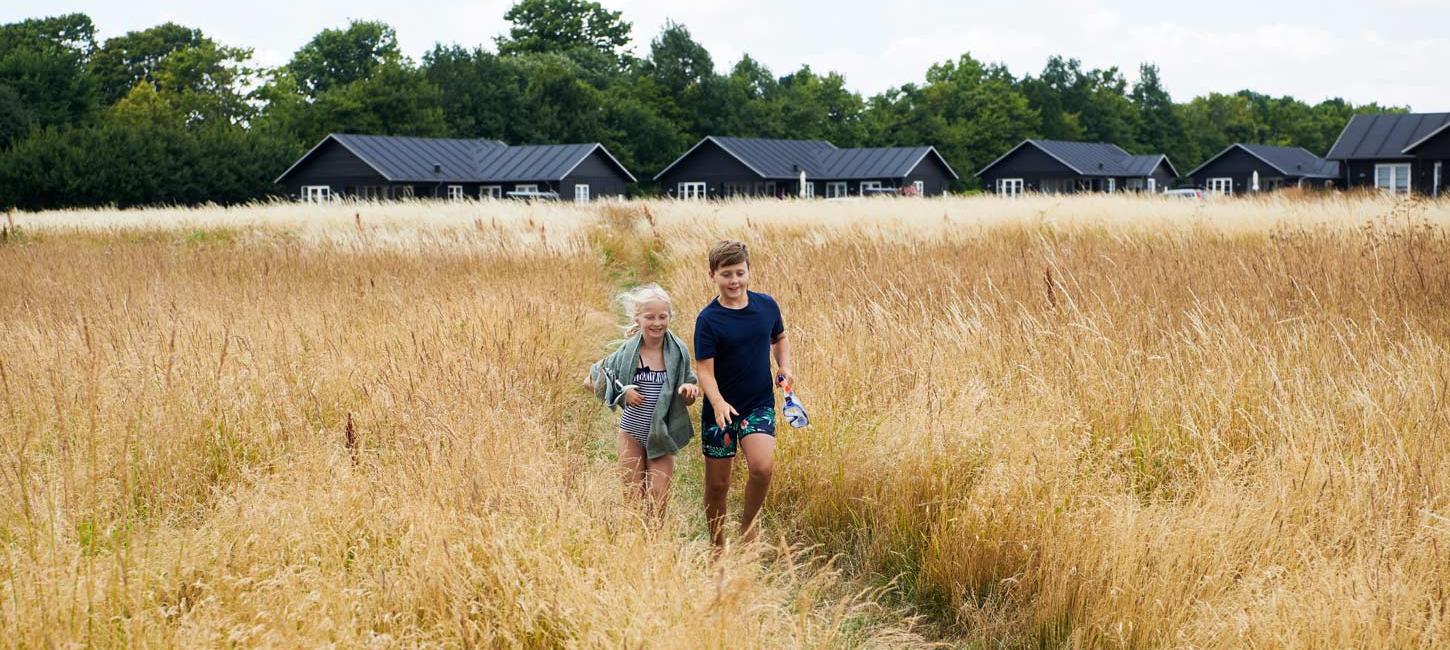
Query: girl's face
653,318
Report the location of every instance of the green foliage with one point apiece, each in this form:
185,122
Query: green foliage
124,61
568,27
338,57
167,115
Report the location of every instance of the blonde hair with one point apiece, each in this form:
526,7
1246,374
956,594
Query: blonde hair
644,294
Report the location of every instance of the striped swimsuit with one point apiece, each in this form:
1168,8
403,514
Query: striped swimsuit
636,420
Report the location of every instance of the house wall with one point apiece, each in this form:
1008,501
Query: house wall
332,165
933,175
1163,176
710,164
1030,164
596,171
1435,150
1240,165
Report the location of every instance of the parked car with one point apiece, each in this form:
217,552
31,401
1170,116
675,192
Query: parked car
1187,193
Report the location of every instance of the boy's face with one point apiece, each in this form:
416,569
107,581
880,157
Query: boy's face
732,280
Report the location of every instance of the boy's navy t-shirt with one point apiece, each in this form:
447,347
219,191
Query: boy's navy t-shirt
739,342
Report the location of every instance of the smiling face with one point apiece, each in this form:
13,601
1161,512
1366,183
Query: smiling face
653,319
732,280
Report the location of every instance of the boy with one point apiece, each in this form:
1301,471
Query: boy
735,336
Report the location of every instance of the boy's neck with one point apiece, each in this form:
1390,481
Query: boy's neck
738,303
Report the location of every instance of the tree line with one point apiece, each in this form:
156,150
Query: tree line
168,115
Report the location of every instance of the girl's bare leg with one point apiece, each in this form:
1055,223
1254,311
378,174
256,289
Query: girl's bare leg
658,475
631,464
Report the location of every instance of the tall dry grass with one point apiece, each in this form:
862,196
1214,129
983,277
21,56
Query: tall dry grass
1089,421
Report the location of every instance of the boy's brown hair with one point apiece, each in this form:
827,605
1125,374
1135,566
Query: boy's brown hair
727,252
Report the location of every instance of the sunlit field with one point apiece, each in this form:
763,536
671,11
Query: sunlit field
1042,422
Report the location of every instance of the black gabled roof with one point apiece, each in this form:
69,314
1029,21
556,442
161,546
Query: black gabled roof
877,162
1093,158
1384,135
784,159
773,158
1290,161
402,159
541,162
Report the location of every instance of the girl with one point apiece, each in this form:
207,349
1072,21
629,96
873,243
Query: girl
650,377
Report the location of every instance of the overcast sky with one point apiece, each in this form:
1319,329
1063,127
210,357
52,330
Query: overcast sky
1387,51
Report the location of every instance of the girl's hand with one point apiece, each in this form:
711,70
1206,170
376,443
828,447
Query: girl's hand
690,392
633,398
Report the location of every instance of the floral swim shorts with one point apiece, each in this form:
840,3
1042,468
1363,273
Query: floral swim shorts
722,443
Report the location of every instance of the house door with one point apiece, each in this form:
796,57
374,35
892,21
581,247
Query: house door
316,193
694,190
581,193
1009,186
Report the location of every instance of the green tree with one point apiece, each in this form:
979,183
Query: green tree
566,27
482,93
338,57
124,61
43,62
1159,128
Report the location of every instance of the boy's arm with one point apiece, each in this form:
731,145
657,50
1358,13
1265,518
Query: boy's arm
705,368
781,349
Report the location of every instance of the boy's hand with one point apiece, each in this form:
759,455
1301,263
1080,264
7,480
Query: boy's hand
723,413
689,392
787,378
632,397
588,385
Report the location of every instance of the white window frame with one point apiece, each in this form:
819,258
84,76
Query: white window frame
1395,177
1435,186
835,189
920,187
1152,184
581,193
868,185
527,187
1112,185
316,193
1222,185
810,190
1010,187
690,190
490,192
455,192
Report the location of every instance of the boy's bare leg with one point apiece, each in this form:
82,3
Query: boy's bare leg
759,450
659,473
631,464
717,487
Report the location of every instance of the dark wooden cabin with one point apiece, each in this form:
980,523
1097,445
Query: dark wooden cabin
1059,167
1395,152
1243,168
394,167
723,167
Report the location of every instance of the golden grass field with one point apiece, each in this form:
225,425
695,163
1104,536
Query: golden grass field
1044,422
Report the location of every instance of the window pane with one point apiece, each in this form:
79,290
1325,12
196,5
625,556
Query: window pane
1382,177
